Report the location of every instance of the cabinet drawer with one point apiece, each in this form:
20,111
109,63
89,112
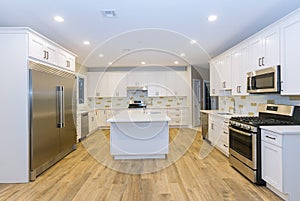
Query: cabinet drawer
272,138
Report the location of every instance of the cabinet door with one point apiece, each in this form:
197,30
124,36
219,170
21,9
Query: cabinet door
290,48
36,47
272,165
239,70
255,52
118,81
214,77
176,84
225,72
106,85
101,118
92,121
157,83
93,79
65,60
51,52
271,50
137,79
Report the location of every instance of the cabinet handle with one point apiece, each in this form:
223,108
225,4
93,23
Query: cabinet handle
259,62
262,61
45,54
67,63
225,145
224,84
225,132
272,138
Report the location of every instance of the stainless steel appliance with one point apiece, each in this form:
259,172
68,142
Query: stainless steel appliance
204,124
266,80
52,129
245,137
84,125
137,104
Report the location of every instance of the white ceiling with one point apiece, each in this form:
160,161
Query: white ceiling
154,31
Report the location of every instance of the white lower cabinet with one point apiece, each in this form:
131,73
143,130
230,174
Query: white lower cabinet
103,115
280,164
218,133
178,116
78,126
92,121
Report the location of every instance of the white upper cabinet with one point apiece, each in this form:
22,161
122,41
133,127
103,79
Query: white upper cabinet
240,66
46,51
225,72
65,60
137,79
157,83
176,83
118,81
214,77
40,49
290,61
264,49
92,83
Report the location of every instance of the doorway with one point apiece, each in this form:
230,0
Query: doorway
196,102
209,102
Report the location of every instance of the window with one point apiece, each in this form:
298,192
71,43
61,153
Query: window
81,90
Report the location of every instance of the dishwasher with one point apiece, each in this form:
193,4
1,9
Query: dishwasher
84,125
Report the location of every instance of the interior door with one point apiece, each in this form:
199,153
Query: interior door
196,102
44,135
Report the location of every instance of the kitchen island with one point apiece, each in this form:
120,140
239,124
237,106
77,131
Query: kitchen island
139,134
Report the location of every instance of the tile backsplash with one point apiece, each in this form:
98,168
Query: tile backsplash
122,102
247,105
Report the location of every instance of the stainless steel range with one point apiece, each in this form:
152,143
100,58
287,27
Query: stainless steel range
245,137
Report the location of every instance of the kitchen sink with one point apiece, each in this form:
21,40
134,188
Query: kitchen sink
224,113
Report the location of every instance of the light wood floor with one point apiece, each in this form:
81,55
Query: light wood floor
192,177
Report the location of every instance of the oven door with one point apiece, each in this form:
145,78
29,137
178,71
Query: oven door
242,145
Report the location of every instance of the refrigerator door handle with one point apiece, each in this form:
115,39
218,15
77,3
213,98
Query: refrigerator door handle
60,106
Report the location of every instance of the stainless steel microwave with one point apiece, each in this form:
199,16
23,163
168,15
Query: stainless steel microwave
266,80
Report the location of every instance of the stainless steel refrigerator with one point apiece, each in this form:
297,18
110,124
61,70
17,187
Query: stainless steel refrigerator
52,127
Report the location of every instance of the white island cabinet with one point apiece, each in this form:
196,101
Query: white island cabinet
280,163
136,134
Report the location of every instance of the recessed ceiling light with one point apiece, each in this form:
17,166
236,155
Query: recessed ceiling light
58,18
109,63
101,55
193,42
143,63
212,18
176,62
86,42
182,54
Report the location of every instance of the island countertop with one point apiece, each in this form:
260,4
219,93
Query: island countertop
139,115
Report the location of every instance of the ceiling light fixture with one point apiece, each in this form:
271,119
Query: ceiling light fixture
109,63
86,42
212,18
143,63
182,54
101,55
58,18
176,62
193,42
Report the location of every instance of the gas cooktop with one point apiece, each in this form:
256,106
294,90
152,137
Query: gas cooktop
259,121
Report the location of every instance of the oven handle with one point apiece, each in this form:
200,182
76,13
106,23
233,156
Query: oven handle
240,132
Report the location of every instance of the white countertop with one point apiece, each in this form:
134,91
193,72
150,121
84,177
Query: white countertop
138,116
283,130
220,113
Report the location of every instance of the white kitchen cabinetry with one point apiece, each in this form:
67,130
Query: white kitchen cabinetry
42,50
118,81
93,79
264,49
224,69
93,125
137,79
178,116
280,167
103,115
214,78
290,48
45,51
176,83
240,67
218,132
66,60
157,83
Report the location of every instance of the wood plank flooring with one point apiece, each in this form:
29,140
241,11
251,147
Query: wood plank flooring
79,176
